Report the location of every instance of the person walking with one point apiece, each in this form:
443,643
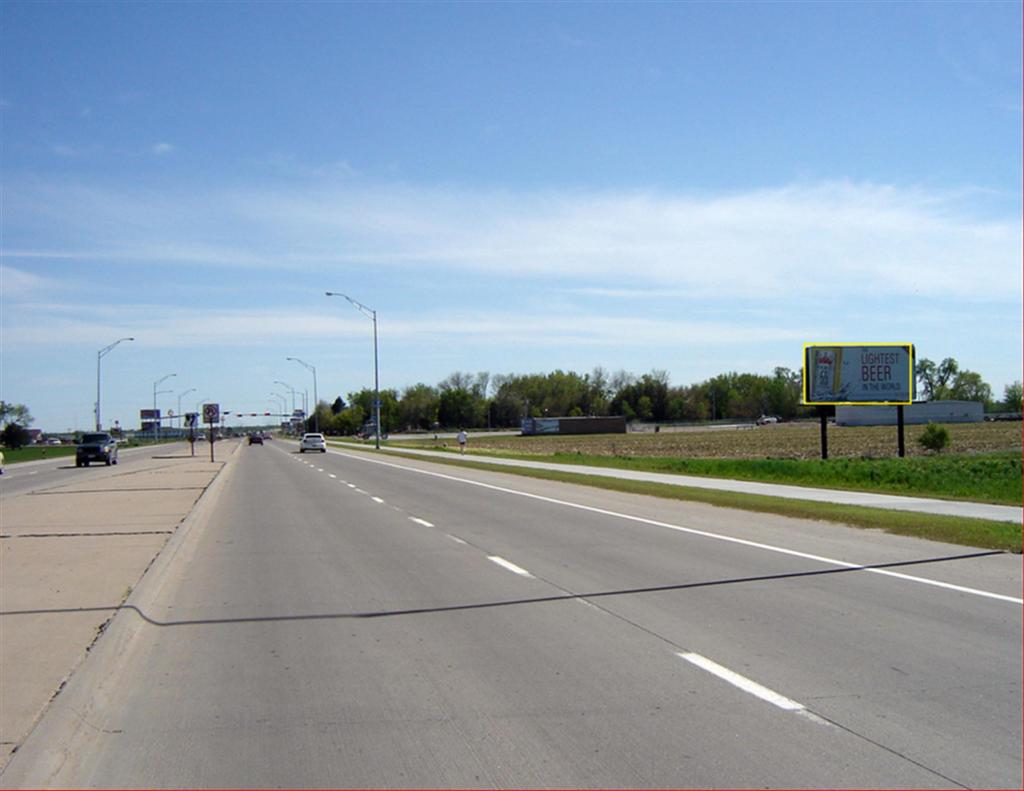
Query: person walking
462,441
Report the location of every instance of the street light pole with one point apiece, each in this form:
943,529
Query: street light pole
283,405
371,314
290,388
158,381
190,390
99,356
316,401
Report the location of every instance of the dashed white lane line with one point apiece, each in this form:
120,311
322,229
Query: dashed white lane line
332,475
505,564
749,686
703,533
377,500
418,521
456,539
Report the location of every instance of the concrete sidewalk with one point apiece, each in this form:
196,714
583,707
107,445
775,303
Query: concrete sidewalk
999,513
69,556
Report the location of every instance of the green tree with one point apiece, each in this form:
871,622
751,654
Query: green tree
1013,396
417,408
15,413
936,379
458,408
969,386
389,410
349,421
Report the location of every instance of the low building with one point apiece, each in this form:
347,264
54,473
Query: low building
916,413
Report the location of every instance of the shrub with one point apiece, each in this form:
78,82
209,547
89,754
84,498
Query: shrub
14,436
935,437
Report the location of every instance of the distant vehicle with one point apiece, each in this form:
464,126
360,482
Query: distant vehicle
53,441
312,442
766,420
255,439
98,446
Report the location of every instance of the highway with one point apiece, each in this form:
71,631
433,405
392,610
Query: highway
347,620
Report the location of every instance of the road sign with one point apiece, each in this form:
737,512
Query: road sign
211,413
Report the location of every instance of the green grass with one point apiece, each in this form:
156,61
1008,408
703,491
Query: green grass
40,452
982,533
37,452
991,478
984,478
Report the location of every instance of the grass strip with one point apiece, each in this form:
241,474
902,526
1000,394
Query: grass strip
42,452
37,453
985,478
982,533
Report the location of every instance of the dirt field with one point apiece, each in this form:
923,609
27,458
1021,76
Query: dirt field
787,440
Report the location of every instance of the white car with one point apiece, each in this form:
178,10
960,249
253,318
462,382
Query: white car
313,442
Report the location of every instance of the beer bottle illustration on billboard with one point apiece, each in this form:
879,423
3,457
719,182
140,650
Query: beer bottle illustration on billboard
827,366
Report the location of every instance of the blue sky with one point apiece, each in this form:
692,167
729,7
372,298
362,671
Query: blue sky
515,187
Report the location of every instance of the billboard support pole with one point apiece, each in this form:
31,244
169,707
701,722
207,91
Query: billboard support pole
899,424
824,433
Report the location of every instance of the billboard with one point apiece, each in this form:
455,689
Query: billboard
879,373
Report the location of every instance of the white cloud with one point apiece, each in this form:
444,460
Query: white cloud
20,284
800,240
162,149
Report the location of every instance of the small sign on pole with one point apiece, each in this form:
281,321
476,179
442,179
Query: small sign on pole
211,415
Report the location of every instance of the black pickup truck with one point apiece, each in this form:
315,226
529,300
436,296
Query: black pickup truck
98,446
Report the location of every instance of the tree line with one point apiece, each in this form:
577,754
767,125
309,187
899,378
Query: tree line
481,400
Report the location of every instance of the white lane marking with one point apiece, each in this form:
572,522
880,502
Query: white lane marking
360,491
703,533
418,521
377,500
351,485
456,539
319,469
509,566
750,687
332,475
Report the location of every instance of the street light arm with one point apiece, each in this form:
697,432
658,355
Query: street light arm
368,312
102,352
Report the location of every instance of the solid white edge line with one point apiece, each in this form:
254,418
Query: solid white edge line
696,532
509,566
742,682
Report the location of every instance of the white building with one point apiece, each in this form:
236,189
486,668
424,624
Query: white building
920,412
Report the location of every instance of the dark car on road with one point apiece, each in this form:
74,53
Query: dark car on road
255,439
99,446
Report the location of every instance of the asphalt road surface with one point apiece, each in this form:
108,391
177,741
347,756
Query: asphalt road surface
345,620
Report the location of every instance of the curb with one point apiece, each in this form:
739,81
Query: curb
72,720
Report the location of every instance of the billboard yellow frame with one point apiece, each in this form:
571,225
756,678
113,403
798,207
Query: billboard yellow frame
839,386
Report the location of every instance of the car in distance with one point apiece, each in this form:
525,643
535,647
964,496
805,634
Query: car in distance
255,439
313,442
767,420
97,446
